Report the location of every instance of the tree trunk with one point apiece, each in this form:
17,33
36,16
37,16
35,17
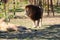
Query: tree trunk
14,7
48,8
34,2
51,1
5,10
31,1
57,2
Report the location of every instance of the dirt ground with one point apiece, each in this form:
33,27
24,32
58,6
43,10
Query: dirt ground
23,20
50,28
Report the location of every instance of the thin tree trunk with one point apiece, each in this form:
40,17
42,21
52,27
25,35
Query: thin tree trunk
48,8
14,7
51,1
5,10
31,1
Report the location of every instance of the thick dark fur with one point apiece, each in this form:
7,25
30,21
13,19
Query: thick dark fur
34,12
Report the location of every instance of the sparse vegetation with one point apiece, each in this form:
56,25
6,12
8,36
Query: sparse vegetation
26,31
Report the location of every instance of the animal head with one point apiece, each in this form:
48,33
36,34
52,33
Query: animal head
29,10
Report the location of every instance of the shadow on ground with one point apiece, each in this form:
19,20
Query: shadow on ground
50,32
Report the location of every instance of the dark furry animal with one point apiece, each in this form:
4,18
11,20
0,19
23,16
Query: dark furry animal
35,13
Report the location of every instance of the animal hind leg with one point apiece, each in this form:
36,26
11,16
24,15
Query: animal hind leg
34,24
40,22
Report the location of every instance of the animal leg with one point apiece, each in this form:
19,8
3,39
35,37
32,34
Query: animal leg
35,24
38,22
41,21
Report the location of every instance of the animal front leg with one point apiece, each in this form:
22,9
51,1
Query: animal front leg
35,24
38,22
